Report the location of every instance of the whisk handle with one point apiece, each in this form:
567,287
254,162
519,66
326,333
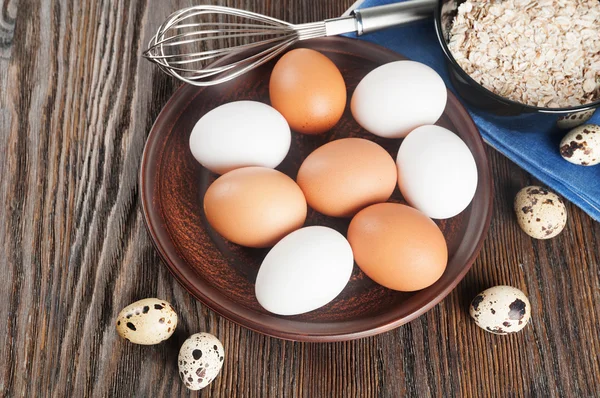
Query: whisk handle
396,14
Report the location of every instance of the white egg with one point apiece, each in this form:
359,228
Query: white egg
240,134
304,271
397,97
437,173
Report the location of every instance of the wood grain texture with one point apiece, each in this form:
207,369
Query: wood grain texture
8,13
76,104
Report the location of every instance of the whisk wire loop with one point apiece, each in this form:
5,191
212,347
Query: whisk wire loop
192,38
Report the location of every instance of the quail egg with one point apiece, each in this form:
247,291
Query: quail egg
148,321
574,119
200,360
582,145
501,310
540,213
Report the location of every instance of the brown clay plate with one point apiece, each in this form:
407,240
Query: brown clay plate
222,274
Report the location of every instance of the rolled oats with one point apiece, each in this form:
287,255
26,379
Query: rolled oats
543,53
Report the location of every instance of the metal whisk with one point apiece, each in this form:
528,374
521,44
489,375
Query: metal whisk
196,44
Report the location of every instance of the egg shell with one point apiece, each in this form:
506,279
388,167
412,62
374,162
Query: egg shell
240,134
582,145
254,206
437,173
395,98
540,213
501,310
344,176
309,91
398,246
200,360
147,322
574,119
304,271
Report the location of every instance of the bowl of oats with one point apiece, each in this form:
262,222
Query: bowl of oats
512,57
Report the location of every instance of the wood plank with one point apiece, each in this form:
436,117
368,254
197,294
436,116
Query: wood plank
8,12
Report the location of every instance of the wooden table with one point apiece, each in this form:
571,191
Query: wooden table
76,105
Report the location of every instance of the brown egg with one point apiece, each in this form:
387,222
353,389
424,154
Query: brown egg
254,206
308,90
344,176
398,246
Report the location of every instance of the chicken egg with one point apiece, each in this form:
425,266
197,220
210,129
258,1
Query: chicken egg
398,246
304,271
343,176
398,97
437,173
240,134
254,206
309,91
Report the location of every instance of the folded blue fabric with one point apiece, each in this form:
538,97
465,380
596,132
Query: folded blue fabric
529,143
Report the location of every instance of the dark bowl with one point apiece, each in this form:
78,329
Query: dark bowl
474,93
222,274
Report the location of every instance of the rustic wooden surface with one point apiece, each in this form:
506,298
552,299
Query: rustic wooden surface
76,105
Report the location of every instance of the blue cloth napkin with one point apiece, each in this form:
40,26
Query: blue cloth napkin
528,143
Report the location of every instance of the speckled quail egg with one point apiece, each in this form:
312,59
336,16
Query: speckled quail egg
501,310
582,145
540,213
200,360
148,321
574,119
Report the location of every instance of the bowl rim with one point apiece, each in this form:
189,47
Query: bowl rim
148,172
525,108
